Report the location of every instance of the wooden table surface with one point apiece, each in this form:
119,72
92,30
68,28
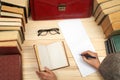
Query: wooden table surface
30,65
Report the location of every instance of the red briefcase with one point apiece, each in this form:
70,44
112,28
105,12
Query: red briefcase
60,9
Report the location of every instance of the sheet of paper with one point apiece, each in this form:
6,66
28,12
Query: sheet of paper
78,42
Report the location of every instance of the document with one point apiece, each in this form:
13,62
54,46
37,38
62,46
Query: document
78,42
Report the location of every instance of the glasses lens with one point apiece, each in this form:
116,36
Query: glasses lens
42,33
54,31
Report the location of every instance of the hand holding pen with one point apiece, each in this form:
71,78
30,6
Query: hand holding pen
91,58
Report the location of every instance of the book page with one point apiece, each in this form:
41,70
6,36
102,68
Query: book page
43,57
78,42
57,55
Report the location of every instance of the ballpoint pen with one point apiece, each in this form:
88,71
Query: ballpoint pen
88,56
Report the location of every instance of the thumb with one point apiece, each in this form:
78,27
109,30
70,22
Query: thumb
48,70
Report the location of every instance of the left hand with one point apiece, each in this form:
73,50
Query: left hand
46,75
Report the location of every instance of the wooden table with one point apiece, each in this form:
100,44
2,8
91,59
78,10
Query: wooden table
30,65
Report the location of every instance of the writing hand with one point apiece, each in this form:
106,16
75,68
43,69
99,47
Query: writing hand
91,58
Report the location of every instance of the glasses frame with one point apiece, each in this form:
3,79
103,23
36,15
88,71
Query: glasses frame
56,30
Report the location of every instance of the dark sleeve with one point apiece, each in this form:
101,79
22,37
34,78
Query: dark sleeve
107,68
101,71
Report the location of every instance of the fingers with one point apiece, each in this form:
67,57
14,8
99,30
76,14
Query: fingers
84,58
90,53
89,56
41,74
48,70
93,61
46,75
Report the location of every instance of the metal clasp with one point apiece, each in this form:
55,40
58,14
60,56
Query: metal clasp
61,7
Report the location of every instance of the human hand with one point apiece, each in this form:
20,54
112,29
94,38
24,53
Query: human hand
46,75
92,61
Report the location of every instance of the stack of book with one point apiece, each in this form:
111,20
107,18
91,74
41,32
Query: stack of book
13,19
113,44
107,14
10,55
19,3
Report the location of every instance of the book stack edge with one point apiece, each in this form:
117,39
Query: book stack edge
13,19
107,14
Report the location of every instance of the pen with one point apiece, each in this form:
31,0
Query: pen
88,56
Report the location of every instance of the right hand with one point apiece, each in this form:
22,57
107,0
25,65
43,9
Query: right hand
92,61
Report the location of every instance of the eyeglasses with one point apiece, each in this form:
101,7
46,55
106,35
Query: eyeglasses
53,31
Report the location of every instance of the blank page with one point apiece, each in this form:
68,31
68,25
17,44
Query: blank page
57,55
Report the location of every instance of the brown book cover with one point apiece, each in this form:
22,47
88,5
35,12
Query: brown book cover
112,29
10,67
110,19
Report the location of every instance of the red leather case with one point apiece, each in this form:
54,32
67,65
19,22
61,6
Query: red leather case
60,9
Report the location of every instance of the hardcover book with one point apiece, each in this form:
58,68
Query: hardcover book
112,29
116,43
11,35
52,56
110,19
10,4
106,5
113,44
106,12
14,28
96,3
10,67
11,21
10,47
14,10
5,19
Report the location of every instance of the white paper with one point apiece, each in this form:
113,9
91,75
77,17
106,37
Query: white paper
78,42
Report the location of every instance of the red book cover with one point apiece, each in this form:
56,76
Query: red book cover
10,67
10,47
60,9
9,50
